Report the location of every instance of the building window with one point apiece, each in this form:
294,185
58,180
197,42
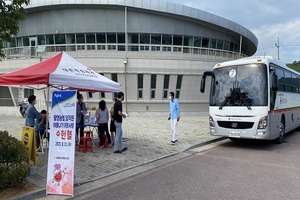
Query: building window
155,39
60,39
26,41
90,38
167,39
101,38
28,92
70,39
166,86
90,95
100,47
114,77
121,48
49,40
144,38
166,49
213,43
80,38
140,85
19,41
133,38
111,47
197,41
111,38
155,48
219,44
177,49
205,42
153,85
177,40
133,48
144,48
102,94
188,41
226,45
178,86
41,40
121,38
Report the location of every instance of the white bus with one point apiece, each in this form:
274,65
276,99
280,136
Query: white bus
253,98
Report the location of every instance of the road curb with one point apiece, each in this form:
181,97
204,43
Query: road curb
41,192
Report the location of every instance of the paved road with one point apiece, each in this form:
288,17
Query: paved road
232,170
147,138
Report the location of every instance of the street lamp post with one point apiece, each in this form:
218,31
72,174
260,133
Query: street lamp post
277,45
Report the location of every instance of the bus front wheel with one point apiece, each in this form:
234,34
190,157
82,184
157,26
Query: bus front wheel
279,140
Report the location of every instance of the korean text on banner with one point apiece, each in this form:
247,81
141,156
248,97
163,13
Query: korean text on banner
60,173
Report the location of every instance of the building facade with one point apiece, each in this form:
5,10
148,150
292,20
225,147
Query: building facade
150,47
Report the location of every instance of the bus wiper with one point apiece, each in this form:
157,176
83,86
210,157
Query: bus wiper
227,98
233,94
243,98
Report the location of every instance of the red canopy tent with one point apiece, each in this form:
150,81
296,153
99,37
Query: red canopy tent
59,71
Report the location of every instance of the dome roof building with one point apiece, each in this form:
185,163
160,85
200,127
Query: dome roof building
150,47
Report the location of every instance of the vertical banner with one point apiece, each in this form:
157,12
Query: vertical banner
61,166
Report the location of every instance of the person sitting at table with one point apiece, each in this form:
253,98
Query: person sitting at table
40,127
102,116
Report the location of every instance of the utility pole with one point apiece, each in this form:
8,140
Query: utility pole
277,45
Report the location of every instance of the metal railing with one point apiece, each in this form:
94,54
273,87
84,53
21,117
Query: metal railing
98,50
9,102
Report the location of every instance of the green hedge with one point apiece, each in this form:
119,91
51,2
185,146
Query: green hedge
13,166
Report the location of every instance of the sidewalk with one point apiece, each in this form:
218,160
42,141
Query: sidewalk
147,139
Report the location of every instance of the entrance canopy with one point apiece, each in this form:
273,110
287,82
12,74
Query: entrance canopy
59,71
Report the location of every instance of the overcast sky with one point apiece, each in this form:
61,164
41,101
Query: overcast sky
267,19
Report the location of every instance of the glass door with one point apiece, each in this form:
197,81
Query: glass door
33,46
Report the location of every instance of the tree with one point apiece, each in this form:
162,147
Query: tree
11,12
295,65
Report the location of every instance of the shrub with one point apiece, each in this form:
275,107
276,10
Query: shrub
13,166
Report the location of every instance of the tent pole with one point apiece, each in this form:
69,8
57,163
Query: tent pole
47,118
126,61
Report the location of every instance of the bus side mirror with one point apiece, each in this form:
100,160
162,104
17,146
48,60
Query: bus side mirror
202,86
274,82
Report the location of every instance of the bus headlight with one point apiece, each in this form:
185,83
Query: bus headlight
211,122
263,123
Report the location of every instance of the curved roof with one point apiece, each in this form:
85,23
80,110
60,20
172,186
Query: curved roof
155,6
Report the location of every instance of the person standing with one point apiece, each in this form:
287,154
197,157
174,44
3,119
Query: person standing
31,112
174,115
102,117
81,111
118,116
31,115
112,123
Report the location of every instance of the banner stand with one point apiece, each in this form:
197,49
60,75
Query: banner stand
61,154
28,139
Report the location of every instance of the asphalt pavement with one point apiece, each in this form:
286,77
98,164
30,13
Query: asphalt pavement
148,138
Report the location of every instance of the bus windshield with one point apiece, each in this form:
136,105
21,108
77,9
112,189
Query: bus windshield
240,85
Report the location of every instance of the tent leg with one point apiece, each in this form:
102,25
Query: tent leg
47,118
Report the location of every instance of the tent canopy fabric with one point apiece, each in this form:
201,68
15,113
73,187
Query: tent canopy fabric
58,71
